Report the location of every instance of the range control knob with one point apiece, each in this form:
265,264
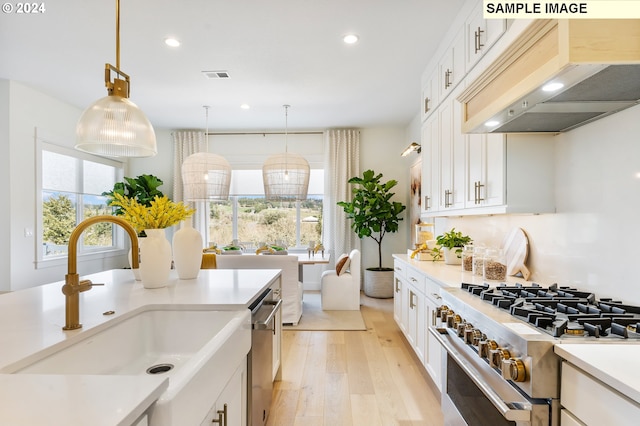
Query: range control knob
463,327
444,314
497,356
485,347
478,336
441,308
513,369
453,320
472,336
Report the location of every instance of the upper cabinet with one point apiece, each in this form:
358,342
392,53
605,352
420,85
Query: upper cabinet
465,174
451,66
467,41
480,34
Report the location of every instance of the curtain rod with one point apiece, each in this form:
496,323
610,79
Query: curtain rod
262,133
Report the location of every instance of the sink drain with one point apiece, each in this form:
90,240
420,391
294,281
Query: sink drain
159,368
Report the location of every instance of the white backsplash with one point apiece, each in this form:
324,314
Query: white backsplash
593,241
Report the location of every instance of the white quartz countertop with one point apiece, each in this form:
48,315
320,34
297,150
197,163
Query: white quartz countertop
31,320
451,275
613,364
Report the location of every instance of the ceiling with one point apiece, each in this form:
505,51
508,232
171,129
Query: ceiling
276,51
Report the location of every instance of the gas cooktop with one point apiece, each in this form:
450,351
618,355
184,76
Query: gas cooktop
563,311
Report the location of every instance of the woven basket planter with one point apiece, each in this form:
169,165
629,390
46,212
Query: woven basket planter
378,284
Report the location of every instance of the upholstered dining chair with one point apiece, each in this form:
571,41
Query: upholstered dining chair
340,288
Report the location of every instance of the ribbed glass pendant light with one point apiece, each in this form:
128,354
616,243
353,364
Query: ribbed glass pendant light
114,126
206,176
286,176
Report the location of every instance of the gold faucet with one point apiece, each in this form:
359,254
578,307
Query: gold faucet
72,284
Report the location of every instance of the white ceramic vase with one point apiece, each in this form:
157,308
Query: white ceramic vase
187,251
155,259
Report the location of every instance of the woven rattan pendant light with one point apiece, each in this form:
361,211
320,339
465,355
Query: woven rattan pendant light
286,176
206,176
114,126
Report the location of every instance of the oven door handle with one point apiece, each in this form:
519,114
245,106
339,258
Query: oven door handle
264,325
510,411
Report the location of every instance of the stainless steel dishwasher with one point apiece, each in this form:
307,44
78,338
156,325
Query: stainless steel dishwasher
260,359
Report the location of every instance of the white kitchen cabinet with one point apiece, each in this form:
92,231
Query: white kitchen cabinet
433,355
485,170
429,94
230,407
451,182
451,66
480,35
420,296
506,174
589,401
430,165
398,288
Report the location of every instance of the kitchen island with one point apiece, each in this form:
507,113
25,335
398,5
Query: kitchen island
31,323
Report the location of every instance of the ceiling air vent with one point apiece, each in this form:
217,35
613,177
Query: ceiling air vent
216,74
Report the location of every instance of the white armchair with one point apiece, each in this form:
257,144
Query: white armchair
342,292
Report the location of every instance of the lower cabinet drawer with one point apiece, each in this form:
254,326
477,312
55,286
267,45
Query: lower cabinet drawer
593,402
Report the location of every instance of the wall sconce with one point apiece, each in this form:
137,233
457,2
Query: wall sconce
414,147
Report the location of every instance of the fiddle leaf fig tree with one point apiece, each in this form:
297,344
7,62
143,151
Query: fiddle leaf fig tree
143,189
371,209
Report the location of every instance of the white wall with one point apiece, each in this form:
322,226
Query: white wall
380,150
5,214
591,242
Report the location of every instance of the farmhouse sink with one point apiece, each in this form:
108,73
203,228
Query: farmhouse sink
192,348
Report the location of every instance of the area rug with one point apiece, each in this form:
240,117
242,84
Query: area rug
314,318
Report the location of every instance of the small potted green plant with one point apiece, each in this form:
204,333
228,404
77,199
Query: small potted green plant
450,246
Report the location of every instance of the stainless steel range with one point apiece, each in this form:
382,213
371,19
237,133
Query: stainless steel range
498,343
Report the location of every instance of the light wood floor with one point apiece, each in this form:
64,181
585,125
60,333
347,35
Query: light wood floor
354,378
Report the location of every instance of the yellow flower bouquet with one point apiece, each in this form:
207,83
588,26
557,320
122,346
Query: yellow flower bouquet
162,213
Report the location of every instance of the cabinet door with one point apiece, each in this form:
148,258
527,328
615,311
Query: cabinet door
430,165
433,354
452,156
452,66
232,401
429,95
277,346
485,164
415,335
397,301
480,35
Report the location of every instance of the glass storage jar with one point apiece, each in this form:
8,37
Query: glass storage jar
467,258
495,265
478,260
424,233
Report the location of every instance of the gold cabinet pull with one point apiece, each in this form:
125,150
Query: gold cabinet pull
222,417
426,105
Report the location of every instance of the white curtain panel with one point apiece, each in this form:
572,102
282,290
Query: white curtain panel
342,162
185,143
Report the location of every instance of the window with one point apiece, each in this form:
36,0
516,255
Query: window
70,184
249,218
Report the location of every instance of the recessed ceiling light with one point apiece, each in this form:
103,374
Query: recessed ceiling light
172,42
350,38
491,123
552,87
245,106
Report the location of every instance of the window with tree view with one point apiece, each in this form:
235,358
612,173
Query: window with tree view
71,188
252,220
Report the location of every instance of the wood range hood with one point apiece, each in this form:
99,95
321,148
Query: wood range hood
596,61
